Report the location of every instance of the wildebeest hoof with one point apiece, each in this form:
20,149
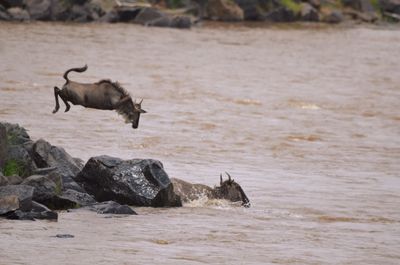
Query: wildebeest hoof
54,111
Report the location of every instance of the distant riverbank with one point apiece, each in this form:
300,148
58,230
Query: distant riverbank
185,14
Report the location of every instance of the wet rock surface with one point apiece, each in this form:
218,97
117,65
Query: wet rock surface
110,207
134,182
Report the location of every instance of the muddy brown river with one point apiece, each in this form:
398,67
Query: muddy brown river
306,119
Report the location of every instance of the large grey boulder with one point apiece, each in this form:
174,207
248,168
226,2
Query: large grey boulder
141,182
46,155
49,191
38,211
47,187
9,194
75,198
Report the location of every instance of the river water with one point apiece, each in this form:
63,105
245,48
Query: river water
306,119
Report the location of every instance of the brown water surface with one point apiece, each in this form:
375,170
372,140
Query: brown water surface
306,120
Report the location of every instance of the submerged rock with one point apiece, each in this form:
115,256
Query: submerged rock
110,207
133,182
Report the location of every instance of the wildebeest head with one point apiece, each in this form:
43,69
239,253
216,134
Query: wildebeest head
134,113
230,190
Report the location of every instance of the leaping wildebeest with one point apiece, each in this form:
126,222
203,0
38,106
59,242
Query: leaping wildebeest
104,95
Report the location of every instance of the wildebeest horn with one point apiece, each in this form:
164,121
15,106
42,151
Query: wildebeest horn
141,102
220,177
229,177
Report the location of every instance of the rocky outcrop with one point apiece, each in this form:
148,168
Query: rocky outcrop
37,178
133,182
150,14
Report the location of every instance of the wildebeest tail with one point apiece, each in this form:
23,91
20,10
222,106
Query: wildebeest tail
79,70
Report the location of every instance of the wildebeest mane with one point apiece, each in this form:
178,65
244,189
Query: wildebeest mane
116,85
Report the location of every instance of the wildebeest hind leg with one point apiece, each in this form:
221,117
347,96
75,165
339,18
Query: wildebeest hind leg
67,106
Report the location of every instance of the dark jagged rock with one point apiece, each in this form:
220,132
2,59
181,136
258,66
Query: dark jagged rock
24,194
110,207
133,182
78,198
46,155
39,211
47,187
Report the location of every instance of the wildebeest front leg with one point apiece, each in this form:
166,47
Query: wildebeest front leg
56,91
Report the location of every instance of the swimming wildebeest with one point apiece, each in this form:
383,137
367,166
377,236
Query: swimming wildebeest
104,95
228,190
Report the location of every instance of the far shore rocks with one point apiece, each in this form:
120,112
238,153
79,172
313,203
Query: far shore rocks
37,178
187,13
